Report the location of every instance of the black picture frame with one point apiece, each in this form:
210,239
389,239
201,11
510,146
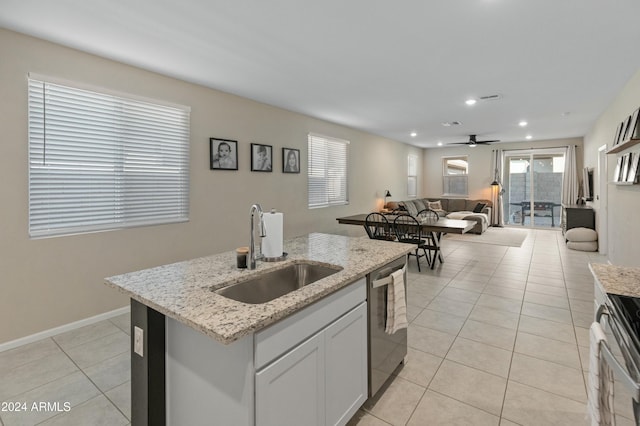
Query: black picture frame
229,149
261,158
293,154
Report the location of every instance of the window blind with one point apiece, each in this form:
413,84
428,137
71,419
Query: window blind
100,161
327,171
412,175
454,176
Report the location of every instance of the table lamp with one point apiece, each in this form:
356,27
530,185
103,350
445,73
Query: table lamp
387,194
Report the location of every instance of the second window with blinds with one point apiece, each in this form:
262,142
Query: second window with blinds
327,173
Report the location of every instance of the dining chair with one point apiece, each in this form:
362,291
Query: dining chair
408,230
427,216
378,227
432,244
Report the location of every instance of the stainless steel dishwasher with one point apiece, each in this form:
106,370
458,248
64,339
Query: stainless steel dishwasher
385,351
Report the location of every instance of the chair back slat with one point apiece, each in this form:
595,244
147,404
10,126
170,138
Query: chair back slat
378,227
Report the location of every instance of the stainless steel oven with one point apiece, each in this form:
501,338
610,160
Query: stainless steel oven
620,319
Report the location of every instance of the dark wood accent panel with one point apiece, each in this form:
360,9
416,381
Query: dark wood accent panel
148,406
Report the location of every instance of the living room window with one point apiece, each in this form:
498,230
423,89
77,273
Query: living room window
455,176
101,161
327,173
412,175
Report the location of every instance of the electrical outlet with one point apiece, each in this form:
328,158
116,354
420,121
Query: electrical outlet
138,341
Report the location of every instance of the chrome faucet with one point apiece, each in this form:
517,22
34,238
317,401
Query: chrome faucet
252,249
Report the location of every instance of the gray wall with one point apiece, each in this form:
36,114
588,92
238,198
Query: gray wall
622,202
480,173
51,282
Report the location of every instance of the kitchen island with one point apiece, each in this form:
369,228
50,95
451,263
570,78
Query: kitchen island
202,353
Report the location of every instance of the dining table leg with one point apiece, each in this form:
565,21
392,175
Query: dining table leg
437,254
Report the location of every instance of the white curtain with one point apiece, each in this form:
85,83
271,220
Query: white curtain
570,178
497,218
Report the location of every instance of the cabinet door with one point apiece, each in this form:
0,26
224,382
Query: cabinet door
291,390
346,365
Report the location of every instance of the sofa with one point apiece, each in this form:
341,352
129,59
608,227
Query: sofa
452,208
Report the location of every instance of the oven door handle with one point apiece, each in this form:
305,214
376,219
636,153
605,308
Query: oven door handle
618,370
602,310
387,278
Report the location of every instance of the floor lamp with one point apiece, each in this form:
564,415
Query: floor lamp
495,195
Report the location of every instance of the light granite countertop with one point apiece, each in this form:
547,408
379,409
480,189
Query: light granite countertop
183,290
622,280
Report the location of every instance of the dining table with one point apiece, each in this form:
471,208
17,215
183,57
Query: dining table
436,228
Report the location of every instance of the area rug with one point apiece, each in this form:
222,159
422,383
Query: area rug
497,236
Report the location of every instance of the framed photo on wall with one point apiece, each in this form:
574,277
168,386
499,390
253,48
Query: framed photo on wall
290,160
223,154
261,158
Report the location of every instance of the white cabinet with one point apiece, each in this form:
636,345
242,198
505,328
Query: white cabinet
291,390
322,380
346,366
307,369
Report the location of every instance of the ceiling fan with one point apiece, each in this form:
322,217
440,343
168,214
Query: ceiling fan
472,142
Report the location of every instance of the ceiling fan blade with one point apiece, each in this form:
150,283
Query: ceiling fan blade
495,140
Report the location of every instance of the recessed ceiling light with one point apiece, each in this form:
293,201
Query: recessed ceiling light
522,123
528,137
470,101
439,143
414,134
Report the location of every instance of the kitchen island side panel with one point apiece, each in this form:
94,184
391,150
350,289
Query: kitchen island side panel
208,382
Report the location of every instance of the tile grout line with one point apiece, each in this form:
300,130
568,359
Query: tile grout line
90,380
513,351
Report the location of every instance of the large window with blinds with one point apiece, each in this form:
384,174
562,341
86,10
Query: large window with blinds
101,161
327,172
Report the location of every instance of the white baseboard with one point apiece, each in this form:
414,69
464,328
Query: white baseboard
63,328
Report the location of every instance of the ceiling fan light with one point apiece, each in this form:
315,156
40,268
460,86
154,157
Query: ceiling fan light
472,145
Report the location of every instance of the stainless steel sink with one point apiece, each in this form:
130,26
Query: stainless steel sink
274,284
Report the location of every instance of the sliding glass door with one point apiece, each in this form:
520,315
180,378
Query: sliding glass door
533,187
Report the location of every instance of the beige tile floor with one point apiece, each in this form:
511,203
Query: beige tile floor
88,368
498,336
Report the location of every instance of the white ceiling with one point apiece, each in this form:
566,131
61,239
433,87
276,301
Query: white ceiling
386,67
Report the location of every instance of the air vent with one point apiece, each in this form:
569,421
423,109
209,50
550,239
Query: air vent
490,97
451,123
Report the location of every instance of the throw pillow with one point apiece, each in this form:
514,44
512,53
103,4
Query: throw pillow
479,207
434,205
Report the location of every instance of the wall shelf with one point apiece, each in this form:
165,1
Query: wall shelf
623,183
622,146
